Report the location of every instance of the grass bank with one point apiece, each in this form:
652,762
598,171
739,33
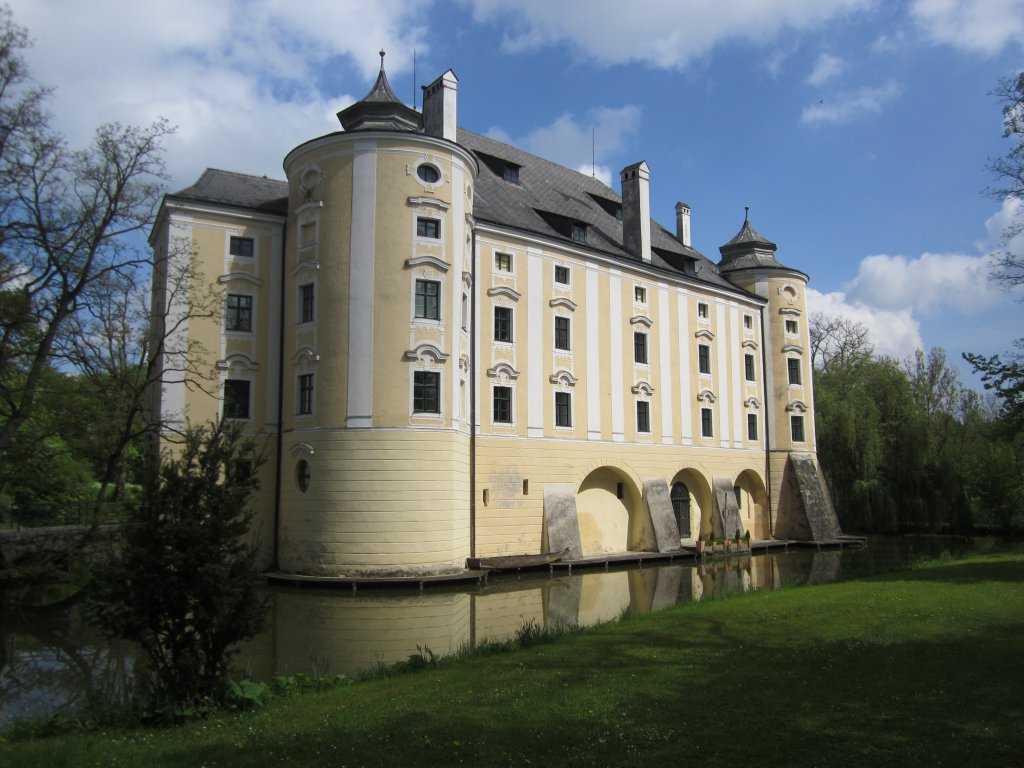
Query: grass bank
921,667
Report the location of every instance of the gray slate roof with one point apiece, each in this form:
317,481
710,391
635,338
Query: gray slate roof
546,195
749,249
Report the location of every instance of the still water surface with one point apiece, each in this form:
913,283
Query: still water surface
54,662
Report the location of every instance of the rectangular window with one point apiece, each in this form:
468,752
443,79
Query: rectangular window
465,312
748,367
503,262
791,326
640,347
428,228
427,304
796,426
707,428
425,391
639,294
562,275
563,409
503,324
306,393
307,234
579,232
238,313
702,310
502,405
511,173
308,298
752,426
643,416
704,358
241,246
236,399
793,366
562,333
748,322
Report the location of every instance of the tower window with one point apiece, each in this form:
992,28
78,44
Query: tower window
503,324
427,305
425,390
428,228
796,427
640,347
703,358
241,246
793,367
791,327
238,313
428,174
562,333
503,405
306,393
748,367
308,298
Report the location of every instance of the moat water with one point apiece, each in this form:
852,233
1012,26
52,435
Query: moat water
53,662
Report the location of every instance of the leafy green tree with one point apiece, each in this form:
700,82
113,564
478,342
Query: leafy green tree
187,586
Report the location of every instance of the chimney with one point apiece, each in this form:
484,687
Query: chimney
683,224
636,210
439,106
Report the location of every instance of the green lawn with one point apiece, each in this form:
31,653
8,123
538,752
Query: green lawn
921,667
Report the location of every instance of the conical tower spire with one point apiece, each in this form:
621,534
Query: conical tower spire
380,110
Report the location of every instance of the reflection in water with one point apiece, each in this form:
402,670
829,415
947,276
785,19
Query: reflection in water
55,663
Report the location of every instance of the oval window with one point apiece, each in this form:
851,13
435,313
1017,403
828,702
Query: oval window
302,475
429,174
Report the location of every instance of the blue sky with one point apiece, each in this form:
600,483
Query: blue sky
858,131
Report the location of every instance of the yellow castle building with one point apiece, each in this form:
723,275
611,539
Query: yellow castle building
456,349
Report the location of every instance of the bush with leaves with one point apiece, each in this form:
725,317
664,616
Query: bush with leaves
187,585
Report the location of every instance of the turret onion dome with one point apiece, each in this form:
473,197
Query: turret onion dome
380,110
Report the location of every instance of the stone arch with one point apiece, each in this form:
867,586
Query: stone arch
611,514
753,504
700,501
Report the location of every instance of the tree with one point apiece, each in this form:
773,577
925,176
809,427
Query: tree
838,341
64,218
1008,267
187,586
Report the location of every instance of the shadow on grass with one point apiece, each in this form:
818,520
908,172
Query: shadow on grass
1002,569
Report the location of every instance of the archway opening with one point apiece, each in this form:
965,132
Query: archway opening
610,514
752,498
698,490
680,496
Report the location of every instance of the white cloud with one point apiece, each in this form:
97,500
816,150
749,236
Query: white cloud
852,105
660,33
894,332
826,67
981,26
930,282
239,79
567,141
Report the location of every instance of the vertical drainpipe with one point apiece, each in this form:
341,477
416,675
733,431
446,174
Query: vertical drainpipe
472,396
280,404
767,426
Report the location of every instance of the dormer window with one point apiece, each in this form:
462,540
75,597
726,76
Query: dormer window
579,232
511,173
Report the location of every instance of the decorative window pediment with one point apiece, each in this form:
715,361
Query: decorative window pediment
561,301
796,406
749,344
641,320
302,450
752,402
503,370
430,201
431,261
242,277
237,362
305,354
422,351
704,333
706,396
467,279
794,348
504,290
643,388
564,377
304,264
789,311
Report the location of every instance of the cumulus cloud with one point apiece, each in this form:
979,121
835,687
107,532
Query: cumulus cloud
826,67
239,79
932,281
971,25
660,33
852,105
567,141
894,332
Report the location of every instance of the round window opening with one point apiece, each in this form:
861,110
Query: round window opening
302,475
429,174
